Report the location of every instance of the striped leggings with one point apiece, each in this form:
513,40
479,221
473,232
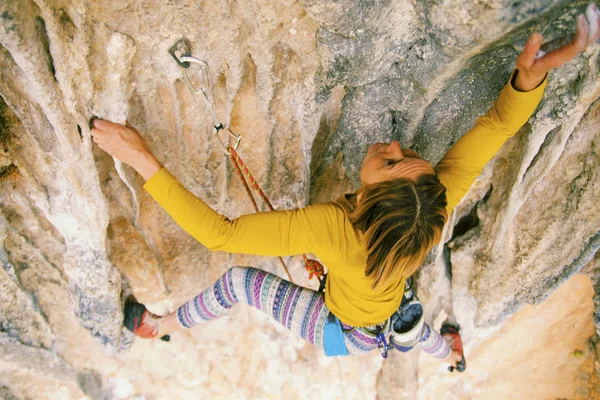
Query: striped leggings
302,311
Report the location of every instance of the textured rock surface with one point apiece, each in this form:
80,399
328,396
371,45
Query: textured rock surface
309,85
531,357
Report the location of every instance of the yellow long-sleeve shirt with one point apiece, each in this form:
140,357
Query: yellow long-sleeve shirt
324,229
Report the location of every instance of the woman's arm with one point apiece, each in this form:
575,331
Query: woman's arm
464,162
517,101
278,233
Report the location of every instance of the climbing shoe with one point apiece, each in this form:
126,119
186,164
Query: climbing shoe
450,334
142,322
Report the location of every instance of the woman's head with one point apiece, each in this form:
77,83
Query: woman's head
401,210
385,162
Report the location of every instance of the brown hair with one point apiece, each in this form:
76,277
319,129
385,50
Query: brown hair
401,221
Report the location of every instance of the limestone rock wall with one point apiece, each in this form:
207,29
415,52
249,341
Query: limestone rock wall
309,85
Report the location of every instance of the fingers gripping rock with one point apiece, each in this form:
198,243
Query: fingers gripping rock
592,14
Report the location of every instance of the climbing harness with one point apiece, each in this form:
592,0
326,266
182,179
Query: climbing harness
181,52
403,330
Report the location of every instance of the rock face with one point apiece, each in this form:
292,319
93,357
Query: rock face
309,85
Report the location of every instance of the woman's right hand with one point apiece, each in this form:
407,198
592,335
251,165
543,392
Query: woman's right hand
533,70
127,145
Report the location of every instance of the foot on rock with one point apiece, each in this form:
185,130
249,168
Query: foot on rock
450,334
141,322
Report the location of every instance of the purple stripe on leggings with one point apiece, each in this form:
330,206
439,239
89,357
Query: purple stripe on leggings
434,345
363,337
186,314
257,284
313,318
305,318
279,304
201,307
289,307
228,282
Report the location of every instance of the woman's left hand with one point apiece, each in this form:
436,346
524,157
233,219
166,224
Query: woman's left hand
126,144
532,70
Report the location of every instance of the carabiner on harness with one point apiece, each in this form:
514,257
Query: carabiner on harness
382,344
379,334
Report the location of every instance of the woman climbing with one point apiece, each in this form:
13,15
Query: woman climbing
370,240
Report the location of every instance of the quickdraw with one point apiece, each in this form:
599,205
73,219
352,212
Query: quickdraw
181,52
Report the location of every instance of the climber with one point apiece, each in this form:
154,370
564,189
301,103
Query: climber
370,240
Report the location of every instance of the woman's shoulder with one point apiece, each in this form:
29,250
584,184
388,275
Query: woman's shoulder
347,203
340,238
327,212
